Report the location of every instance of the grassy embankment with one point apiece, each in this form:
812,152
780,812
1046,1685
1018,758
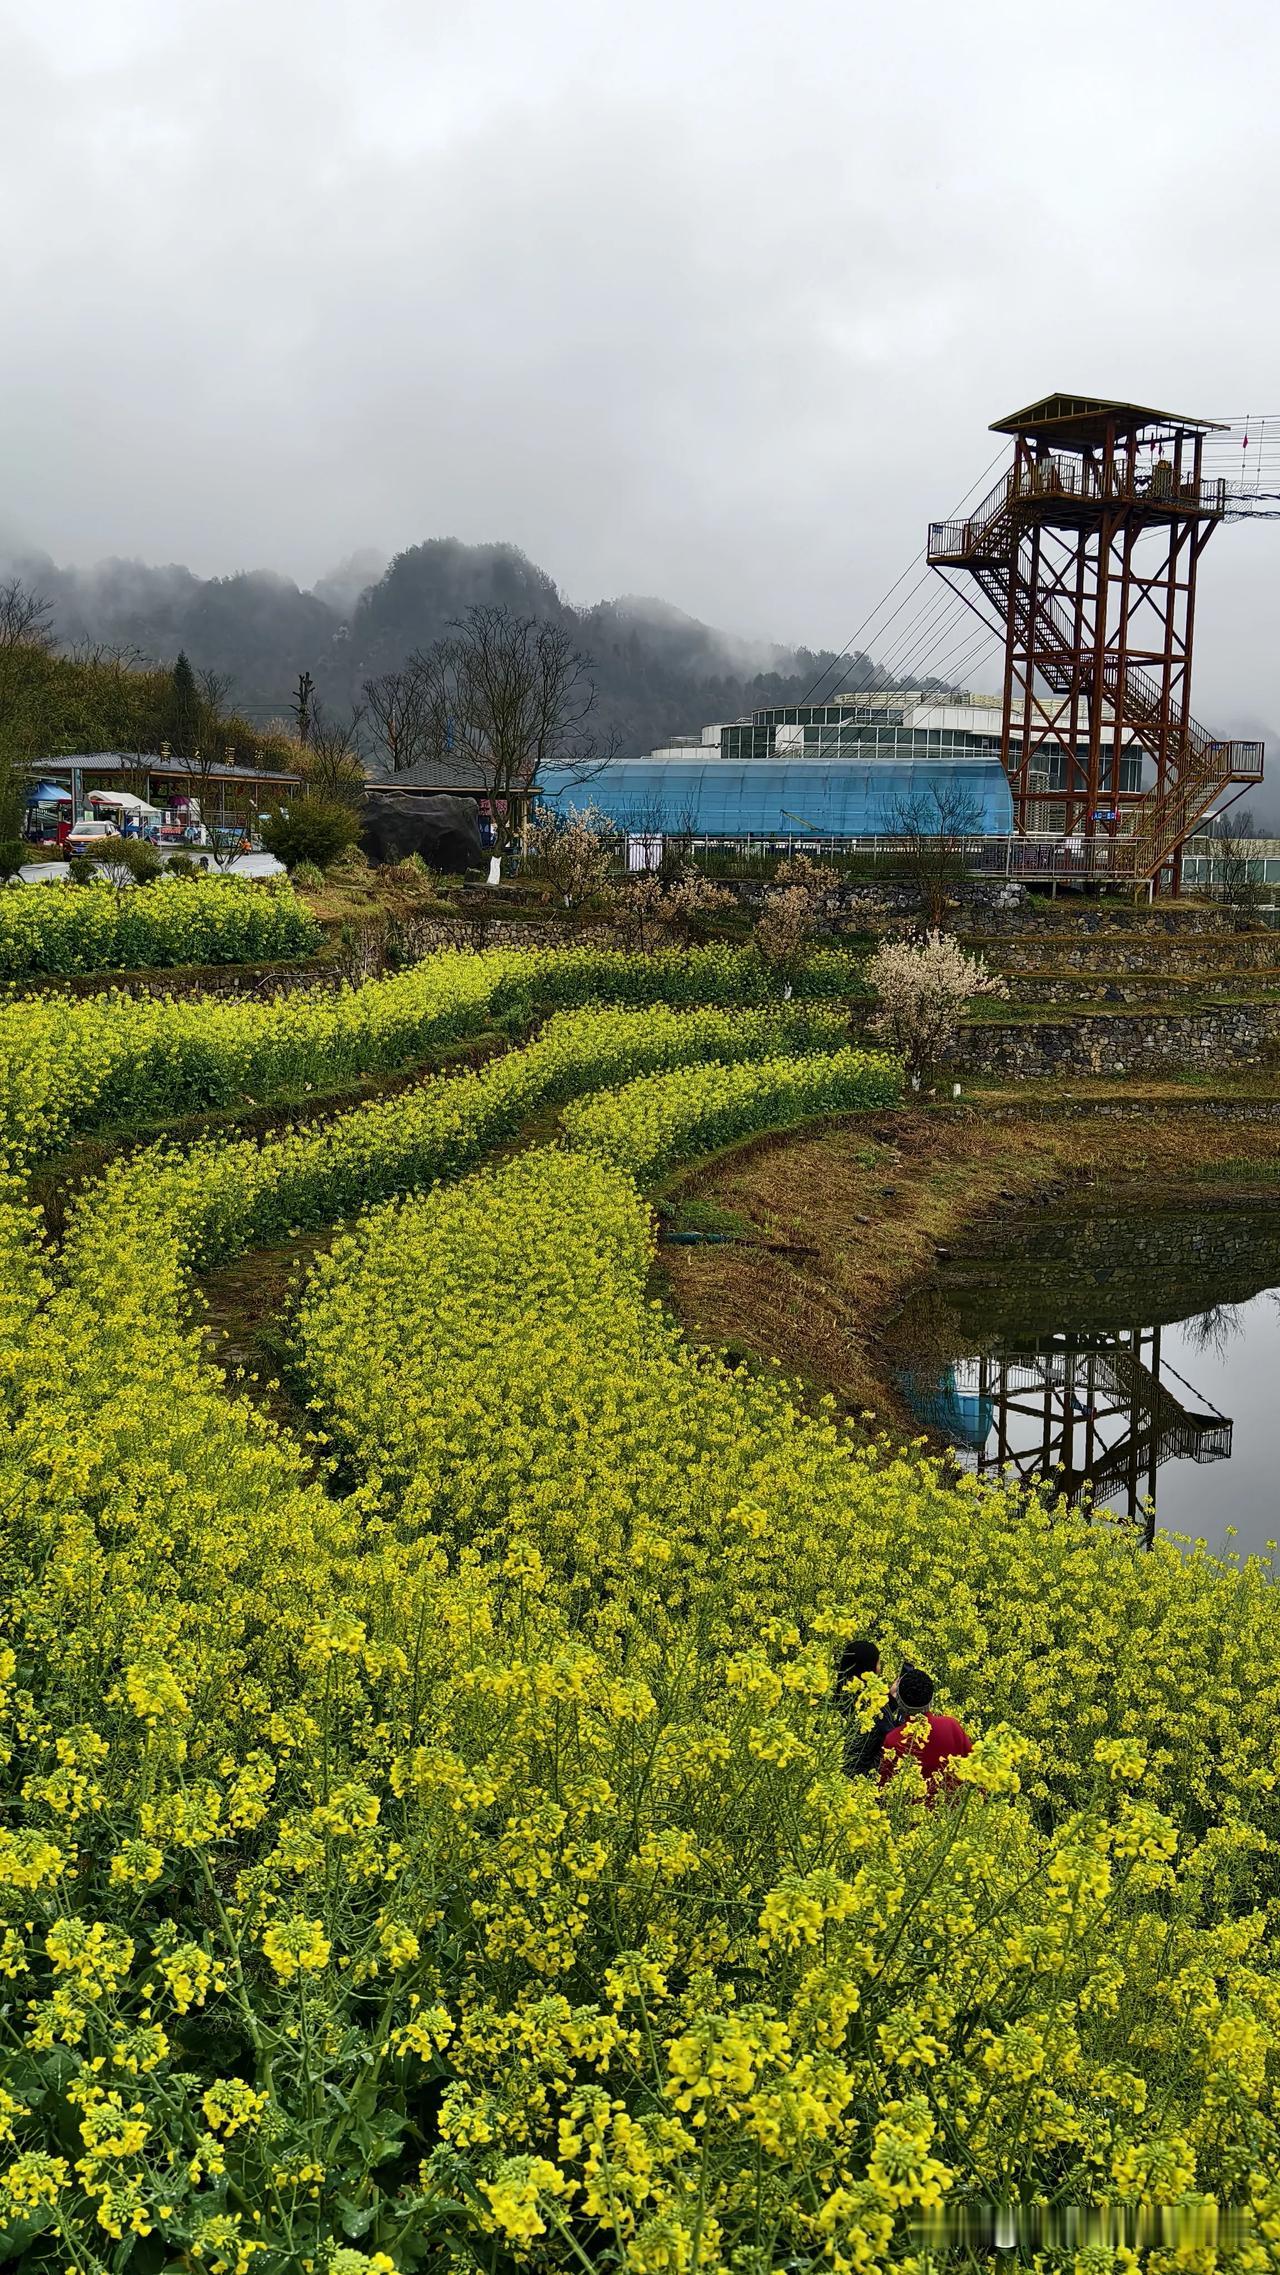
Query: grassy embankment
830,1228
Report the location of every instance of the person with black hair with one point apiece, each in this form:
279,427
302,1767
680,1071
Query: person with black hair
945,1740
862,1748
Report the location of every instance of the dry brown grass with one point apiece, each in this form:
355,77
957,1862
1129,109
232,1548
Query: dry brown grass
855,1211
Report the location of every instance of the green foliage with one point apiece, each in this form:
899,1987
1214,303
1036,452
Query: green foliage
185,722
82,870
457,1870
651,1124
315,830
13,775
13,855
114,1061
53,706
308,877
139,859
184,865
230,1193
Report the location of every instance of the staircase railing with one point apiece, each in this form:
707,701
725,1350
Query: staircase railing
1197,765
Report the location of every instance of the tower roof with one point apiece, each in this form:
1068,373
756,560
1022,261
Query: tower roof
1081,420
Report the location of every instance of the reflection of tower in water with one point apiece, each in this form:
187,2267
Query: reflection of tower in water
1021,1349
1096,1415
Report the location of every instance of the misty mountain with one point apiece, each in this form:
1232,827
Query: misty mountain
658,672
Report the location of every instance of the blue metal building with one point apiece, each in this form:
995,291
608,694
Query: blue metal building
843,770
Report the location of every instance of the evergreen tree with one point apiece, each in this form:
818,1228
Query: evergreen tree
184,708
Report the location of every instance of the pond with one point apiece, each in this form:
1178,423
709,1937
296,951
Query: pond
1133,1355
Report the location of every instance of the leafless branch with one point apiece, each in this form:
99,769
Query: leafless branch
514,697
397,717
26,617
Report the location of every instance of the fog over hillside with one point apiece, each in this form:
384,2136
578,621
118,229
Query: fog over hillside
658,671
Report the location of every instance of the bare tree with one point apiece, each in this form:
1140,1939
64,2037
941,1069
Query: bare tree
215,687
135,774
227,807
513,696
935,826
677,843
1234,866
26,617
332,767
109,655
397,717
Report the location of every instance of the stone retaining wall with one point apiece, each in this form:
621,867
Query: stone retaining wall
1074,914
1173,992
1112,951
1121,1043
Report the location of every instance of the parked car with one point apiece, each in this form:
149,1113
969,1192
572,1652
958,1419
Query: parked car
86,836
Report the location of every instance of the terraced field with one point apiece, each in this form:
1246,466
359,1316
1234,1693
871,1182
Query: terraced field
426,1840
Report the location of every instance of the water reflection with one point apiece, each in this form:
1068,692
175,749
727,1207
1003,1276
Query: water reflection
1101,1414
1109,1355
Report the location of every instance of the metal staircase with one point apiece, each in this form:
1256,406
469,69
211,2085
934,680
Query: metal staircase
1198,767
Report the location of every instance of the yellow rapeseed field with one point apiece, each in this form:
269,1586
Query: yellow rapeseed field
427,1846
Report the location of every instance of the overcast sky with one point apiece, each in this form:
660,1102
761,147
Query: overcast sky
707,300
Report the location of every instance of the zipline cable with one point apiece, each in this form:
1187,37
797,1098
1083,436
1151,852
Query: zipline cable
868,620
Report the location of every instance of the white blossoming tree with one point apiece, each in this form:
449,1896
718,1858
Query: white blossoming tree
576,853
923,987
791,915
684,908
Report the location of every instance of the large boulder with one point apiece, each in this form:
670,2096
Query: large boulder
444,830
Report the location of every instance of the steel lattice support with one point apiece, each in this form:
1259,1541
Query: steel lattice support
1086,556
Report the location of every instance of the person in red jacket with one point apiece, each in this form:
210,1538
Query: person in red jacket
946,1740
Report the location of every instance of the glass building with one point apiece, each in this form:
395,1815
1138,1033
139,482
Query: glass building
844,770
847,769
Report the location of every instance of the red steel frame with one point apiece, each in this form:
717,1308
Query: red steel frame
1079,571
1086,556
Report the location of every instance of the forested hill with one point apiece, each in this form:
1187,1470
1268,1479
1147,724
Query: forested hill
658,672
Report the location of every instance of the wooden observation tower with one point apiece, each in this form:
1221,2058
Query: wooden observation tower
1085,557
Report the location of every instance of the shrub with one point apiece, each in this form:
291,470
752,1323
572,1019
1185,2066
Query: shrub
475,1840
184,865
685,907
575,852
13,858
82,869
410,876
308,878
313,829
651,1124
139,860
229,1194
